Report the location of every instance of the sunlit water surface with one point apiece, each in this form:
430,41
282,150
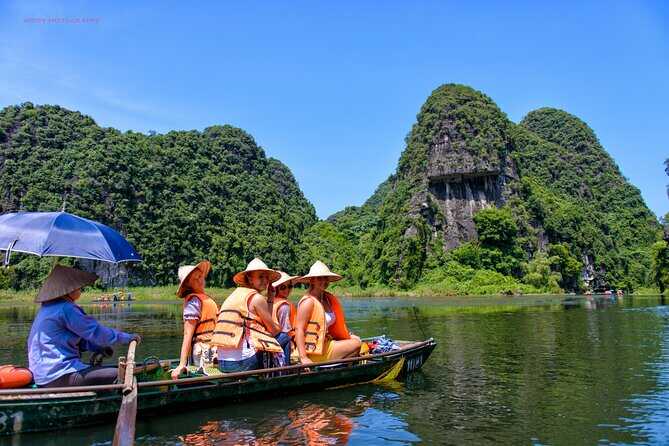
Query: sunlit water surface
548,370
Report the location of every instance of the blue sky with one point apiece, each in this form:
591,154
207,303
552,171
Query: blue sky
332,88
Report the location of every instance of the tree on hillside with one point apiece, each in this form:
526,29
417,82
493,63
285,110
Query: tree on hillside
666,170
660,271
497,246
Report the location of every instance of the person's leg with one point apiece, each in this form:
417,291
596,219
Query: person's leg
345,349
284,340
94,376
63,381
69,380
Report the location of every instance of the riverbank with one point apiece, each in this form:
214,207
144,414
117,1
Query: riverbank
167,293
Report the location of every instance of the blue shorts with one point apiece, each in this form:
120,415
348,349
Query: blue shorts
244,365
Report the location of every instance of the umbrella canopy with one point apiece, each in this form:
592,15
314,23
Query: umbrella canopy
63,235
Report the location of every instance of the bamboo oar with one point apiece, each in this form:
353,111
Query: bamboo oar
124,434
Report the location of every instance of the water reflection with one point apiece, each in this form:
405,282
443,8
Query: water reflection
342,417
548,370
312,424
649,411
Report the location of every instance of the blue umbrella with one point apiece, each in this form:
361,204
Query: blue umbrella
61,234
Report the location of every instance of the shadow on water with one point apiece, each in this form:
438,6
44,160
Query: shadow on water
544,370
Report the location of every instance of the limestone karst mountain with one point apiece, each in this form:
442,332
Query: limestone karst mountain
563,191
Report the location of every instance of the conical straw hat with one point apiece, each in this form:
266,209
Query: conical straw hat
255,265
61,281
285,278
185,271
319,269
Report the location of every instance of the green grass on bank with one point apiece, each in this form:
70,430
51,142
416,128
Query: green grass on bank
167,293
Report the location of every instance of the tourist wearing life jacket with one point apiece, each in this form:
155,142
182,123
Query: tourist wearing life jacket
320,328
245,333
199,315
62,331
283,311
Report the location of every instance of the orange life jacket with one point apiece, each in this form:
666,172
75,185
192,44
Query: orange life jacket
208,314
293,311
12,377
235,323
314,333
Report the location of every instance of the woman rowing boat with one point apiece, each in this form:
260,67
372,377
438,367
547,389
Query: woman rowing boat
62,331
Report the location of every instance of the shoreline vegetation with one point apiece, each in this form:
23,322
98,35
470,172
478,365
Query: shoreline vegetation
167,293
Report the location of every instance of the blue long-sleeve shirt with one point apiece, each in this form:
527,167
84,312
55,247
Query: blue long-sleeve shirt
60,332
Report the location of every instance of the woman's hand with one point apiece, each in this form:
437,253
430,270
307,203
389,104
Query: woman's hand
177,371
306,361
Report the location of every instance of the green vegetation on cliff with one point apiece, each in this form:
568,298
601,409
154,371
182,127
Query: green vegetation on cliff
477,205
178,197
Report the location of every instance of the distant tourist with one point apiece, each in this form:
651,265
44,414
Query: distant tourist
199,315
245,333
62,331
320,328
283,311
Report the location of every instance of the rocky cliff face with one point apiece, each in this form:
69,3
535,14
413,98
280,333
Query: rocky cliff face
460,184
467,166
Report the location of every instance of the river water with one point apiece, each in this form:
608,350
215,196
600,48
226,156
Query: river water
548,370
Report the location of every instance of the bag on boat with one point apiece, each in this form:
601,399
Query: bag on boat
203,354
382,344
12,377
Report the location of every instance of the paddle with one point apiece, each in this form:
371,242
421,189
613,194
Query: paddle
124,434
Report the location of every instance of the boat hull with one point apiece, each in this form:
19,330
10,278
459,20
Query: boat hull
30,413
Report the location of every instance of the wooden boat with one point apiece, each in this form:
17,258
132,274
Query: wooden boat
29,410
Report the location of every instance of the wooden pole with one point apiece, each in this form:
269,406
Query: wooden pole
124,434
121,369
129,368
